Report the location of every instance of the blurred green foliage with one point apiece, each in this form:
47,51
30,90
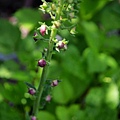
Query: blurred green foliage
89,69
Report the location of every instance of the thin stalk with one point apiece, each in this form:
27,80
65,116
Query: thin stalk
48,58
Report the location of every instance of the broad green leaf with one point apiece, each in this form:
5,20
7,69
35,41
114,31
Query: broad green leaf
62,113
90,7
114,16
5,73
8,112
67,113
73,109
111,62
10,72
63,92
27,17
96,63
93,36
99,113
112,42
73,69
95,97
112,96
80,115
22,75
102,99
72,62
44,115
9,37
11,90
99,62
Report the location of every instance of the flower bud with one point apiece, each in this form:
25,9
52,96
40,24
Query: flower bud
54,83
42,63
31,91
33,118
35,36
48,98
43,29
60,45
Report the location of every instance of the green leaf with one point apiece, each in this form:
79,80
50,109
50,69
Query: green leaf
63,92
90,7
9,113
112,96
10,91
95,97
43,115
27,17
62,113
96,62
114,15
9,37
93,36
112,42
67,113
12,72
71,64
4,72
73,109
99,100
99,113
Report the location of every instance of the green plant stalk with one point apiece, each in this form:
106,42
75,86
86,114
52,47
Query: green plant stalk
48,58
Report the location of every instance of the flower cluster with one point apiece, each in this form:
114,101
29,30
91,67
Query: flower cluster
60,12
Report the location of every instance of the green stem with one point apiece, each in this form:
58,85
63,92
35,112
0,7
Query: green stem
48,58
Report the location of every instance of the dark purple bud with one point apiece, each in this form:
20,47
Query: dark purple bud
31,91
60,45
42,63
43,29
34,37
33,118
54,83
48,98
